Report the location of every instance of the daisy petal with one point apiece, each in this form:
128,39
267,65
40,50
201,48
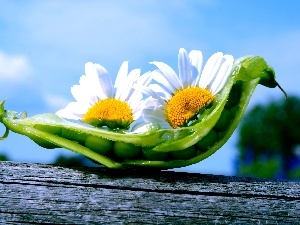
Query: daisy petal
196,59
73,110
210,69
145,79
152,93
79,94
105,81
184,67
120,79
138,111
158,76
91,74
127,89
135,99
93,81
169,75
83,91
159,89
156,116
140,127
149,104
222,75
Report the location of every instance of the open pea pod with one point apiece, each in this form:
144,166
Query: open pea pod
215,128
161,148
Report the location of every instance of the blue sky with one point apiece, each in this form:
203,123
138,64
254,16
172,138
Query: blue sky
45,44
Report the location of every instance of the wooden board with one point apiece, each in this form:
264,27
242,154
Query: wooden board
37,194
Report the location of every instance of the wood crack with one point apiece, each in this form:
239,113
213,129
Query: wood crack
170,191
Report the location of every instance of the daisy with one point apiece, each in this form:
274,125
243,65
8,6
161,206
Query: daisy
179,98
99,103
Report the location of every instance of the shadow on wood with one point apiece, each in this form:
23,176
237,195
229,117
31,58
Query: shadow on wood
37,193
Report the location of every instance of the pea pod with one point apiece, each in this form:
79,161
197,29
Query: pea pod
162,148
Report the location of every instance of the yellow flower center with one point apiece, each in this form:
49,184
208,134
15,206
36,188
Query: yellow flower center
186,104
109,112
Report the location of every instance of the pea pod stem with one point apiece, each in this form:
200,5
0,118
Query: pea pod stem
285,94
5,134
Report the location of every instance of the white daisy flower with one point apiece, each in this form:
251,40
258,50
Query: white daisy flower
99,103
179,98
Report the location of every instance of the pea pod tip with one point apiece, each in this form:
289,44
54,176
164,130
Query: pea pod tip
283,91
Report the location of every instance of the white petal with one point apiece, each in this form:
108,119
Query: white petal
196,59
153,94
137,113
168,77
184,68
128,84
160,113
158,89
151,103
145,79
139,110
93,81
156,117
91,74
222,75
148,103
81,95
120,79
105,81
73,110
140,127
210,69
135,100
162,123
159,77
86,89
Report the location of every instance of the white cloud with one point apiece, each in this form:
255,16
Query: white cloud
55,102
110,29
14,67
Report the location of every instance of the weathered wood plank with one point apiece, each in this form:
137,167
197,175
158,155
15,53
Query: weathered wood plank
35,193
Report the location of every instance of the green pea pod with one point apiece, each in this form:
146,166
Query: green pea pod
160,148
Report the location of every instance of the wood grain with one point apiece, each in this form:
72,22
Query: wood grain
47,194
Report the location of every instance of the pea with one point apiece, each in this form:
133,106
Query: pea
208,140
125,150
98,144
234,95
74,135
49,129
150,154
184,154
224,120
41,142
